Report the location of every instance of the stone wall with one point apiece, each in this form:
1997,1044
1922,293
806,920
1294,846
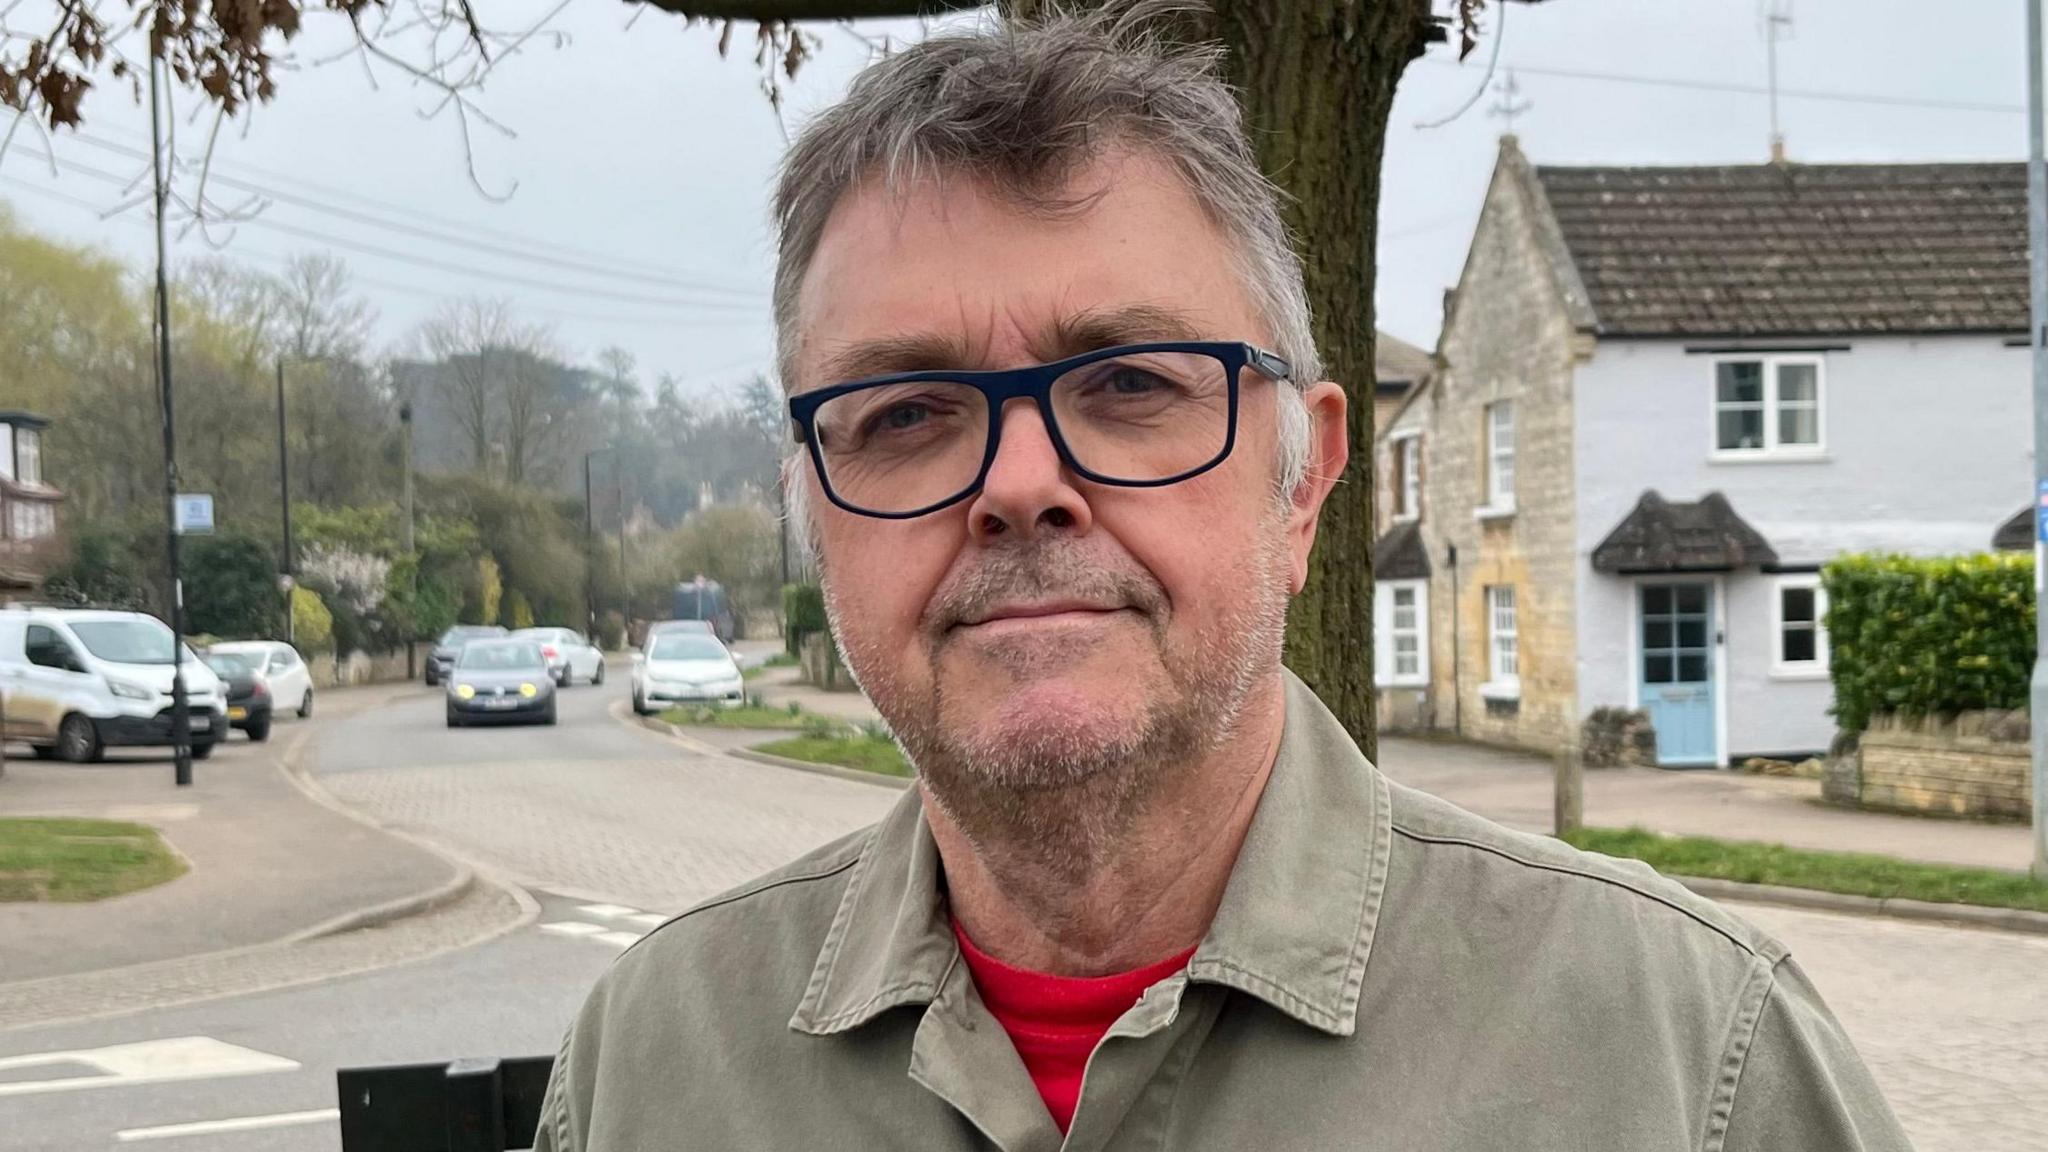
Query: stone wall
1508,336
1976,764
360,668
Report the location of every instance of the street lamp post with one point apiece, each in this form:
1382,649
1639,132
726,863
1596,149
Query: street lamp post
2037,252
181,722
284,502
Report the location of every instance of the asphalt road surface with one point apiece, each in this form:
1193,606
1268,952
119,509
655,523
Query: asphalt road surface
612,827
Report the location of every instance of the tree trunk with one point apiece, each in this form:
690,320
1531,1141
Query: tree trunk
1316,78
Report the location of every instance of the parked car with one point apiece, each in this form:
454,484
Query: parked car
76,682
249,697
278,663
685,667
568,654
500,680
450,645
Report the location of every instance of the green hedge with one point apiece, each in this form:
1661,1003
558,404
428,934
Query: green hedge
1929,636
803,612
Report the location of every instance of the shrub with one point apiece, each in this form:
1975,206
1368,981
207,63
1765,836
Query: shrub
231,587
803,612
1929,636
312,624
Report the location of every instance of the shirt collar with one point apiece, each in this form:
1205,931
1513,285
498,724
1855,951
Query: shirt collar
1294,929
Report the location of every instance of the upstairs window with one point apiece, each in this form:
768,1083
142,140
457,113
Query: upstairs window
1767,406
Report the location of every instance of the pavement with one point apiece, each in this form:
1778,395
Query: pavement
1515,789
266,861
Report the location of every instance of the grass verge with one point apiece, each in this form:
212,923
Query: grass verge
1850,873
779,660
73,861
865,751
745,716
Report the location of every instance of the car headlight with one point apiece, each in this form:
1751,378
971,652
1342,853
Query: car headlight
129,691
465,691
528,691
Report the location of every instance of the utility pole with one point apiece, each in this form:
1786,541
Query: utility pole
2037,253
411,553
625,582
589,552
284,502
181,722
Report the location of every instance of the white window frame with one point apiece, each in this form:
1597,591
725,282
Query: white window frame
1407,448
1503,683
1499,498
1771,449
1816,668
1384,634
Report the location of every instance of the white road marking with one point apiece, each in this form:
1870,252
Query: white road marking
621,939
607,910
649,919
573,928
149,1062
234,1124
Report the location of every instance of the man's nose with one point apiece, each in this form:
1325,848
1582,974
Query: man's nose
1028,488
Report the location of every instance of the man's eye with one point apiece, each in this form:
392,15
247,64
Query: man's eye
902,416
1133,382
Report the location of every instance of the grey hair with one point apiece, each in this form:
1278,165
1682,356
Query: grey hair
1022,105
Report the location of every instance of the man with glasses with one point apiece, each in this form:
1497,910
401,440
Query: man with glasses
1063,440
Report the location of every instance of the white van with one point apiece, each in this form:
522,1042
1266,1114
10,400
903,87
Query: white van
74,682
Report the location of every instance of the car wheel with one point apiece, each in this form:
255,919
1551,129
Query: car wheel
562,680
203,751
639,706
259,731
454,721
548,717
78,741
597,677
306,705
431,679
44,751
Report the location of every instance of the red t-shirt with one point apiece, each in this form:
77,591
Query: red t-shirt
1056,1021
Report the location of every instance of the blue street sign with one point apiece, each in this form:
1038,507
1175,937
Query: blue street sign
194,514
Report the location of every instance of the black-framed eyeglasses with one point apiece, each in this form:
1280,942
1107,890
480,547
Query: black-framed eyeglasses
1135,416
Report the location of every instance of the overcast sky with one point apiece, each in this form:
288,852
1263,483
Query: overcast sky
641,165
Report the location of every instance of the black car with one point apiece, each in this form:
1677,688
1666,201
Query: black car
248,696
449,646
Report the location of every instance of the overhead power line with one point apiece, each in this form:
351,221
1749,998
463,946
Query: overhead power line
492,275
524,254
623,319
1827,95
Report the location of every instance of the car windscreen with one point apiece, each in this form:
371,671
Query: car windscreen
139,640
686,646
231,663
500,657
465,632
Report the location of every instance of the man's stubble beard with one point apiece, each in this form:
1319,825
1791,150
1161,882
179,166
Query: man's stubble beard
1054,800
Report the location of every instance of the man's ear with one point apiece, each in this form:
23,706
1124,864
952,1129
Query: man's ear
1329,450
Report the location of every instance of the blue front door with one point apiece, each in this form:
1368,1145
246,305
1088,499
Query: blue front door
1677,672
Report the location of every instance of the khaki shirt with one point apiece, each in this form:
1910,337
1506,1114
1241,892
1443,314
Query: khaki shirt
1385,972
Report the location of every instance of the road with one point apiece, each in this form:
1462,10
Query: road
611,827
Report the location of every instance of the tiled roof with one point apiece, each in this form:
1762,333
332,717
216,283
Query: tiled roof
2016,534
1704,535
1797,249
1401,554
1396,361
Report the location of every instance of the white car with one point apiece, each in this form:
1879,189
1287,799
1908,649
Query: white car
685,668
74,682
570,657
291,683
